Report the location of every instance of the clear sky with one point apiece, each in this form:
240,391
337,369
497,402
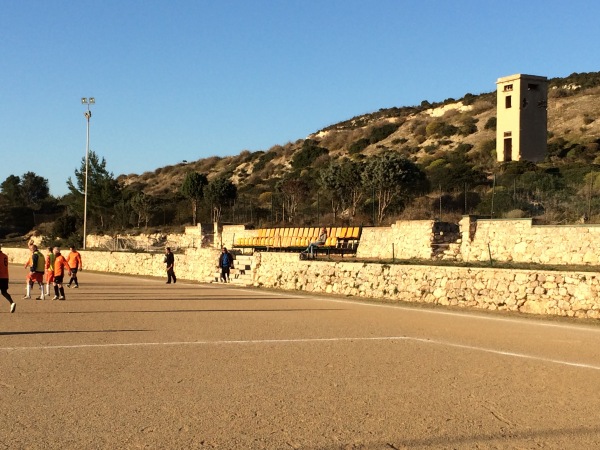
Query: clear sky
182,80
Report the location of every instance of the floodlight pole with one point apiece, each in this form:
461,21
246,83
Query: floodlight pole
88,114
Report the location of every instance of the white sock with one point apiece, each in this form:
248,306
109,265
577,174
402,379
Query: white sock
28,290
42,291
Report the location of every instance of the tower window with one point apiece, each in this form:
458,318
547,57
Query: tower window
508,101
532,87
508,87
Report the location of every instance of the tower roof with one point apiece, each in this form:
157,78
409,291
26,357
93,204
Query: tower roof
518,76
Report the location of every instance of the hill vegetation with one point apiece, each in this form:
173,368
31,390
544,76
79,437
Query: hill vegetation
434,160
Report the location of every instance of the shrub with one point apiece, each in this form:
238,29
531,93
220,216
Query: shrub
491,123
469,126
440,128
263,160
587,120
307,154
399,141
380,133
358,146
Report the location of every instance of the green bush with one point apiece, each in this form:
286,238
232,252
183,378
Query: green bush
358,146
491,123
399,141
440,128
307,154
263,160
380,133
469,126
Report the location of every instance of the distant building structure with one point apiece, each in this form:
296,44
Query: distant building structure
522,118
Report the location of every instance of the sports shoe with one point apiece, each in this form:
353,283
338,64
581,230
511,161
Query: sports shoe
55,298
68,285
39,298
26,296
76,286
61,298
13,306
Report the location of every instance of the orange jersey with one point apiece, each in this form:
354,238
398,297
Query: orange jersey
74,259
3,265
60,266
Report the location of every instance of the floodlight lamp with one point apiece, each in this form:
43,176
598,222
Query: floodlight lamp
84,100
92,100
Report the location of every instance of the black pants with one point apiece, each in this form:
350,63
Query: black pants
73,277
4,289
171,274
225,273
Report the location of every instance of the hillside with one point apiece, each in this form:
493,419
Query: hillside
423,133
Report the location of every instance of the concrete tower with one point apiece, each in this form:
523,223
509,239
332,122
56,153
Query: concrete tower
522,118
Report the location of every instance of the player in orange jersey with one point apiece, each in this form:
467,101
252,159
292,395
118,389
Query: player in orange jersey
60,267
4,280
74,260
49,269
36,272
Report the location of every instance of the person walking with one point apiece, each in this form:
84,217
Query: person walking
61,266
49,269
225,264
36,265
4,280
169,260
74,260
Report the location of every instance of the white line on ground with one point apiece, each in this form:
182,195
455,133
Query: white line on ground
465,314
315,340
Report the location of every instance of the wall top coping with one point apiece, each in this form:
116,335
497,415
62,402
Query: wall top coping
535,225
293,257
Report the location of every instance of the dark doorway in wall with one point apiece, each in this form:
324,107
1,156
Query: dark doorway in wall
507,149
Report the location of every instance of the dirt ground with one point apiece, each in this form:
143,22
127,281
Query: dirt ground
129,363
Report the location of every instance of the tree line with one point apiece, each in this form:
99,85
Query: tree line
372,190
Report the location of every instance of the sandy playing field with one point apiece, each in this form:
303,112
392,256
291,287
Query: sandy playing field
127,363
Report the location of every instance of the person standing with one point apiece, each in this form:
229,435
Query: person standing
225,264
36,265
4,280
49,269
74,260
61,266
170,262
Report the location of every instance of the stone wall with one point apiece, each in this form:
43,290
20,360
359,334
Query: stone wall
503,240
519,240
573,294
194,265
405,239
232,232
564,293
192,237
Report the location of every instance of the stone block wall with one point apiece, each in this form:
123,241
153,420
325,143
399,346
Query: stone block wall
503,240
564,293
232,232
405,239
519,240
195,264
573,294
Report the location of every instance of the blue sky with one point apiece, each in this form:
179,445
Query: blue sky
182,80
